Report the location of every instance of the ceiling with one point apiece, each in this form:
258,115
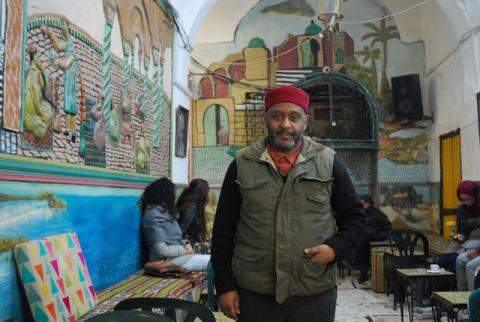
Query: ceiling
228,13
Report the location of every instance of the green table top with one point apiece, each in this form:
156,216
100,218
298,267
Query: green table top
452,298
422,272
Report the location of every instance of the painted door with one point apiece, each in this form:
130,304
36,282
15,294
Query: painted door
216,126
451,175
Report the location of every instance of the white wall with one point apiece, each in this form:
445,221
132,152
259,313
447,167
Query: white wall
190,14
452,79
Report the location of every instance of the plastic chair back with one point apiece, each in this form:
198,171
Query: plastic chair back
193,309
129,316
406,242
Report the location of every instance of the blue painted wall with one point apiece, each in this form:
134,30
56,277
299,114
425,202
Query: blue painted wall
106,220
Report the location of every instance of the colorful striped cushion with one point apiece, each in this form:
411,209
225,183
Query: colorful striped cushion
139,285
55,278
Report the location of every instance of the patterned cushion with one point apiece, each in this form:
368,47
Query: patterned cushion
55,277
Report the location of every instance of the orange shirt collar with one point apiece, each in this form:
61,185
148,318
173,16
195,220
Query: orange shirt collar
284,162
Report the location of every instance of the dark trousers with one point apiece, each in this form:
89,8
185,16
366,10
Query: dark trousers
363,253
263,308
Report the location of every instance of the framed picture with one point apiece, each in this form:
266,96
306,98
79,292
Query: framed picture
181,132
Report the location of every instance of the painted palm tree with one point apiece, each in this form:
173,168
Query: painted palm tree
370,55
382,34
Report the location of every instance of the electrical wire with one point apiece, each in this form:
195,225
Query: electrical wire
387,16
321,34
228,79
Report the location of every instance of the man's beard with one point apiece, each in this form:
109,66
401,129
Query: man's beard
284,146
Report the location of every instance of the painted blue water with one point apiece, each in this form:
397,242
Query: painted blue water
107,225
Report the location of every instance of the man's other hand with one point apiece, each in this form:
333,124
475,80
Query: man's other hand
322,254
230,304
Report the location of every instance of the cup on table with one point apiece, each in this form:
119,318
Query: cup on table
434,268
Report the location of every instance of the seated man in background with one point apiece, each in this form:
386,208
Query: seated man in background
377,228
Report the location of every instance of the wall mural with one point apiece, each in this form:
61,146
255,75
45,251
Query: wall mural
78,98
29,211
85,102
362,51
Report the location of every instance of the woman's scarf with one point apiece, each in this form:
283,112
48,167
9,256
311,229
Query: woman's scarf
471,189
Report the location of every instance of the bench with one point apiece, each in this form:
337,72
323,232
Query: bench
58,286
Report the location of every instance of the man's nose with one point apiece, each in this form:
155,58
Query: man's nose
286,123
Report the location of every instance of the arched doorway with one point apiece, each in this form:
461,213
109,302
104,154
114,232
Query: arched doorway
215,122
343,115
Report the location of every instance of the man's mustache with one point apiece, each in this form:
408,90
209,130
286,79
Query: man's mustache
284,133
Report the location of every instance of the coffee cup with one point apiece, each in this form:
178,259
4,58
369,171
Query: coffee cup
434,268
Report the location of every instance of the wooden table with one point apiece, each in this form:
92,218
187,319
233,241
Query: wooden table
451,302
410,276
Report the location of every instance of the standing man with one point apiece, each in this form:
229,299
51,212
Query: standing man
378,227
287,212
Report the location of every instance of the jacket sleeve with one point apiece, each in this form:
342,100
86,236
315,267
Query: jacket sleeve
349,213
170,250
384,224
224,229
187,218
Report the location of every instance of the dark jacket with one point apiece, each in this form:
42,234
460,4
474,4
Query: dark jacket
189,221
378,224
466,223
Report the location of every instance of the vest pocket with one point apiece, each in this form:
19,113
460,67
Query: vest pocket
250,268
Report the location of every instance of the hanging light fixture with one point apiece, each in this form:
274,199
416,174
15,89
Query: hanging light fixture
330,12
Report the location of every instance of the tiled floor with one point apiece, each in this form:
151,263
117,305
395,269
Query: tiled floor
357,302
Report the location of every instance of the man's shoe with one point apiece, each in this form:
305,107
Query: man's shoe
363,279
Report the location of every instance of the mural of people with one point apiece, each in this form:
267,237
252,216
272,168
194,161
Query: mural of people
96,121
38,108
222,136
69,65
142,153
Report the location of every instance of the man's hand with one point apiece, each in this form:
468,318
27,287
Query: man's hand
230,304
322,254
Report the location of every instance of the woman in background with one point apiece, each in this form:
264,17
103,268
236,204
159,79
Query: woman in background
468,214
191,207
162,234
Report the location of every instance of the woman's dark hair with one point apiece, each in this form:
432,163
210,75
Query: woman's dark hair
161,192
196,193
368,199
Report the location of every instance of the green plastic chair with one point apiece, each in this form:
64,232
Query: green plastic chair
193,309
129,316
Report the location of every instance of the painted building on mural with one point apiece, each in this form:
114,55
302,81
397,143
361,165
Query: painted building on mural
235,86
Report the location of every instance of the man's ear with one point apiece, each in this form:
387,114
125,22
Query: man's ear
306,122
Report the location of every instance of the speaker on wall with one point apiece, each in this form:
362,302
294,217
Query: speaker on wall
407,97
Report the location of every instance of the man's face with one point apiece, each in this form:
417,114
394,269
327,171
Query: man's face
365,204
285,124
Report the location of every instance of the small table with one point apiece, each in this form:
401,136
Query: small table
451,302
388,269
413,274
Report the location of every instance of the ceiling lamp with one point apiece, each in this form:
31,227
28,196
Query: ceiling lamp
330,12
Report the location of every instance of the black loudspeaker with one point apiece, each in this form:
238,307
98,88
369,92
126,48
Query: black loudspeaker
407,98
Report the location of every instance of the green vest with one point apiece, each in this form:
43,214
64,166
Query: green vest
279,220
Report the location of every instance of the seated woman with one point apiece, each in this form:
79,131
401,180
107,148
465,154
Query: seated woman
191,206
162,234
468,262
